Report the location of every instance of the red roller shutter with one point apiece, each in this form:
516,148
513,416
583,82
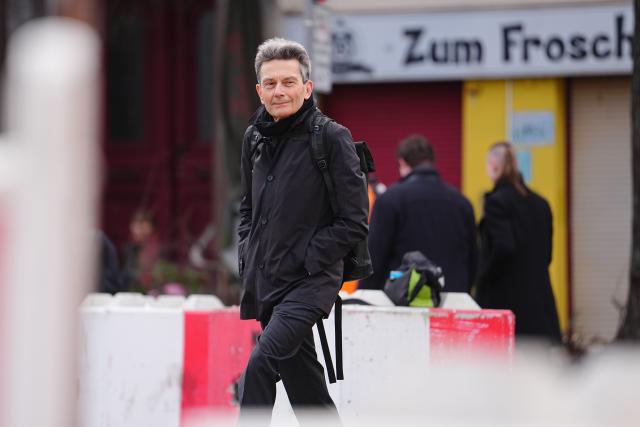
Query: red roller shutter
384,114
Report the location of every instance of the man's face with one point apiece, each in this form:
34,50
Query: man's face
281,89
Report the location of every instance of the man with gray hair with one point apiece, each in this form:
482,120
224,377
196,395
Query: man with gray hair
292,242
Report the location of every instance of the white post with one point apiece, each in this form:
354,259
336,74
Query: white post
52,75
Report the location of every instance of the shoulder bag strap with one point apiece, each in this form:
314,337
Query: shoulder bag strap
325,351
318,131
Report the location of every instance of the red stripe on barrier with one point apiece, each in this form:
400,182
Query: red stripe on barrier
486,331
217,346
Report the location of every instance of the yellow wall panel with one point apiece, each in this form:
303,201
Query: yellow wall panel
483,123
488,108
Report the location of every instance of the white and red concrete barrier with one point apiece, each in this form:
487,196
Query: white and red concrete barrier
164,363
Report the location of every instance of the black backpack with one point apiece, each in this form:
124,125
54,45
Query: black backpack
357,263
418,282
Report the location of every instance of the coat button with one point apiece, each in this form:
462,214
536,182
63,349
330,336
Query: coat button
264,221
261,265
270,178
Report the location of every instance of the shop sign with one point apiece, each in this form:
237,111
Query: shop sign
554,41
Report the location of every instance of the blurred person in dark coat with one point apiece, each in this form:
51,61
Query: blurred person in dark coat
109,280
516,238
141,253
422,213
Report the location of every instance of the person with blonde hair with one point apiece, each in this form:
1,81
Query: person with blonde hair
515,252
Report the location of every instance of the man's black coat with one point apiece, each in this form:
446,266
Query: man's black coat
516,237
291,244
422,213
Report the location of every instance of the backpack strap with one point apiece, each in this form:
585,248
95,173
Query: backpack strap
338,326
338,372
256,141
318,151
325,351
418,287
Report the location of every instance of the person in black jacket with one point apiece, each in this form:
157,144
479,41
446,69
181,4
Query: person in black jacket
516,237
422,213
109,276
291,245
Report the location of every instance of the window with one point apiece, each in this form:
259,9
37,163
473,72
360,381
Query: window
205,76
125,84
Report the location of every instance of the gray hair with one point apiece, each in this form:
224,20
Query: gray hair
279,48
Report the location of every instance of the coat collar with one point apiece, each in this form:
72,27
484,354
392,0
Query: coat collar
502,184
422,172
269,128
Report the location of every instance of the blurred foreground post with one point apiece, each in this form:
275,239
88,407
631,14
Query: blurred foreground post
630,329
51,108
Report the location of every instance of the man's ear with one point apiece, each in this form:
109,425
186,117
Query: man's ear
259,91
403,168
308,89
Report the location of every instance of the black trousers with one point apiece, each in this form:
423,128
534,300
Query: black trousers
286,351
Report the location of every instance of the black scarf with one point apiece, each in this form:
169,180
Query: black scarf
268,127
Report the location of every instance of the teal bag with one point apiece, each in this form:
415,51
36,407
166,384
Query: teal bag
416,283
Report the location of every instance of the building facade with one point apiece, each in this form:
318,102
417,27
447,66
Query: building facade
552,77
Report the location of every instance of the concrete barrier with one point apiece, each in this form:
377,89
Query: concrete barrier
168,361
380,345
168,301
385,346
97,300
450,300
131,365
131,299
203,302
486,333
